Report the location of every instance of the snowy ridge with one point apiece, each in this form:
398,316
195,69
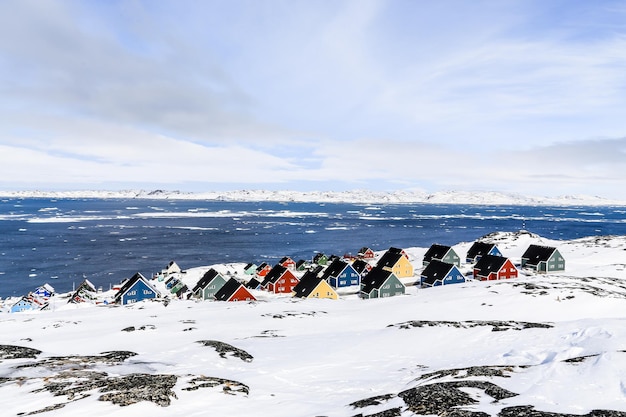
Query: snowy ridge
539,345
354,196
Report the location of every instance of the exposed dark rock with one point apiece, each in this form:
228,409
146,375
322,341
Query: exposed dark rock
442,398
133,388
392,412
377,400
17,352
293,314
472,372
229,386
529,411
579,359
224,348
129,329
112,357
496,325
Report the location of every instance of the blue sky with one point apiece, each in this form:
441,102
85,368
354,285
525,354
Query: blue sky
521,96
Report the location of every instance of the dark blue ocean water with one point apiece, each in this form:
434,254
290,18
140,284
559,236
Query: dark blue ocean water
62,241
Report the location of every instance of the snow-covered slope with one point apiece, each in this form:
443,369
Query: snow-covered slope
356,196
553,342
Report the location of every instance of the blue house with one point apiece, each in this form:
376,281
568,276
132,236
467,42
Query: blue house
24,304
479,249
45,291
439,273
136,289
341,274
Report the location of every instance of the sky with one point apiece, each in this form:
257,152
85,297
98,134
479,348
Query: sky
518,96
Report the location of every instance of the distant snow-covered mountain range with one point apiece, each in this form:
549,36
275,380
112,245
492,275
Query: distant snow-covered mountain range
354,196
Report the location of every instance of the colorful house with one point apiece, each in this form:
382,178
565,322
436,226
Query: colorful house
302,265
210,283
279,280
24,304
366,253
253,284
491,267
439,273
479,249
134,290
263,269
381,283
44,292
249,269
287,262
341,274
311,285
543,259
320,259
396,261
86,292
441,253
234,290
361,266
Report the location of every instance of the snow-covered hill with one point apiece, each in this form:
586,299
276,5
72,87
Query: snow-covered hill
548,343
356,196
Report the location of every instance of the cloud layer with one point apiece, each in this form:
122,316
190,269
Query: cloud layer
523,96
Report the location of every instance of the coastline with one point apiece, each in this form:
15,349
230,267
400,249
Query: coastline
352,197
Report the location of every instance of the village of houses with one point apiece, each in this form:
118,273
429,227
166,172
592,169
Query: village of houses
368,274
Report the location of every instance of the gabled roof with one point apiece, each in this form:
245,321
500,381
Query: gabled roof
537,253
489,263
389,259
334,269
253,284
436,270
274,274
227,291
206,279
319,256
479,249
285,259
360,265
132,281
364,250
436,251
249,266
262,266
307,284
374,279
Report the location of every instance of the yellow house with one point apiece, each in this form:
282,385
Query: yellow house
394,260
312,286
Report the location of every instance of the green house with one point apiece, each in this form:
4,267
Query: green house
380,283
210,283
441,253
320,259
543,259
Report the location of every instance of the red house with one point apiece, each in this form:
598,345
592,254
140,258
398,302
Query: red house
287,262
280,280
366,253
233,290
262,270
491,267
